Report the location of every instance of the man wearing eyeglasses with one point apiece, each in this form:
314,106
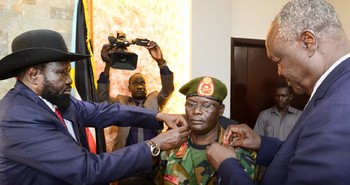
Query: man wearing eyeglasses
188,164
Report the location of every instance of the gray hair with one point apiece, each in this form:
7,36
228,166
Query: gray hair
314,15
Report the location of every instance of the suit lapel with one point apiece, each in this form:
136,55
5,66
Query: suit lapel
68,114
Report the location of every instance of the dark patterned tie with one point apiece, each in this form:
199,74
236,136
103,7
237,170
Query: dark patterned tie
140,135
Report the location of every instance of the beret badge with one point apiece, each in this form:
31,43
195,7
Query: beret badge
206,87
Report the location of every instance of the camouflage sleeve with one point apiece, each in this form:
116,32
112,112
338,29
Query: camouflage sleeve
159,170
247,159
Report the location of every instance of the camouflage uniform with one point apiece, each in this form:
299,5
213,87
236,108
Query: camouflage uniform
188,165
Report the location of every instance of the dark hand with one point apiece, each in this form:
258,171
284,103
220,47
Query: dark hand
242,136
217,153
155,52
105,53
172,120
172,138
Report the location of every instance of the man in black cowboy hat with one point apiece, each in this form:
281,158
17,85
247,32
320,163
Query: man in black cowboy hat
40,147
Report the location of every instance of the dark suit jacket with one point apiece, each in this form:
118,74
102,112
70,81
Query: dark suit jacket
36,149
317,151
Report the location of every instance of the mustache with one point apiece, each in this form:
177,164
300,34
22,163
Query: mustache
68,88
196,120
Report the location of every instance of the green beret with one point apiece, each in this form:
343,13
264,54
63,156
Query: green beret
205,86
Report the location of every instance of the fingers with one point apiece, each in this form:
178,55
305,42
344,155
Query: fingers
170,120
217,153
181,132
237,142
183,128
172,138
106,47
151,44
176,120
105,52
212,145
171,125
184,132
182,121
235,134
242,136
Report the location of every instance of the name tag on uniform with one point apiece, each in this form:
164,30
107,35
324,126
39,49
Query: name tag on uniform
172,179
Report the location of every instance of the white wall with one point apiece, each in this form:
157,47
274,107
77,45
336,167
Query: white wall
342,8
251,18
214,22
211,34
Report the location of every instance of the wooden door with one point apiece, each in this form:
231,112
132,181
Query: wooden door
253,81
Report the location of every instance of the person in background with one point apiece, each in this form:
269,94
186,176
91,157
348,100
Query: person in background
40,121
155,100
308,44
278,121
204,107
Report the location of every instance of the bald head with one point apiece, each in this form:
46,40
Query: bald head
134,76
137,86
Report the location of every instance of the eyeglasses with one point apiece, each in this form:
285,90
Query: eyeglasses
207,107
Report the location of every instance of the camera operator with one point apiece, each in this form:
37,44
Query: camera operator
137,86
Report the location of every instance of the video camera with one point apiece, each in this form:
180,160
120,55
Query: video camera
120,56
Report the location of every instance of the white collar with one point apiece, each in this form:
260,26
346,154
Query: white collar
52,106
329,70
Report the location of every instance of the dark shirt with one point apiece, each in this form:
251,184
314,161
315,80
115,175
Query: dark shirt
134,135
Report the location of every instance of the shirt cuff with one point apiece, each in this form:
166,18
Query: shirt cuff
165,71
103,79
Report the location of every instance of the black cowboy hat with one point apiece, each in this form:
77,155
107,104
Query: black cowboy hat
36,47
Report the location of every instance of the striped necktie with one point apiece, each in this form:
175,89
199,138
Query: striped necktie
140,134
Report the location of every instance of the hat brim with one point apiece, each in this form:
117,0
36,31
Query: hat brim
209,97
12,63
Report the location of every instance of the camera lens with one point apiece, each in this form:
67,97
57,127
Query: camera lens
123,58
